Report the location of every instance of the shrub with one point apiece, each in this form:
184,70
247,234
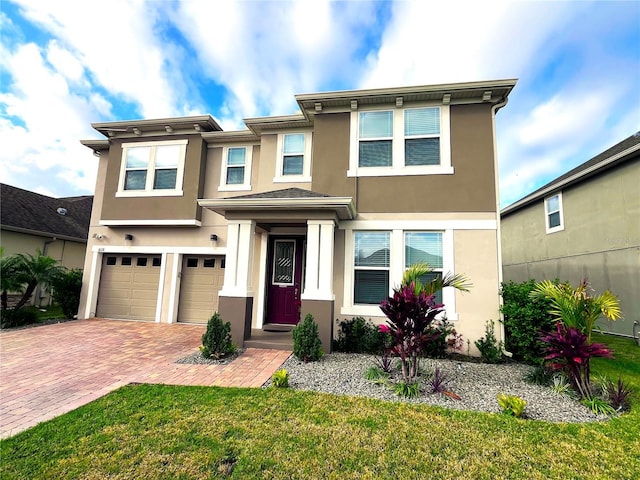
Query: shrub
358,335
540,375
66,291
598,406
524,318
617,394
562,385
409,314
407,389
16,318
377,375
443,338
490,348
280,378
216,341
568,350
512,405
306,340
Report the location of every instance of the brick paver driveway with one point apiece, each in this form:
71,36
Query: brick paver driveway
50,370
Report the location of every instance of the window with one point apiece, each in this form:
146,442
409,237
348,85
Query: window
294,157
126,261
425,247
152,169
192,262
235,173
141,262
410,141
156,262
111,260
209,263
376,260
553,213
371,267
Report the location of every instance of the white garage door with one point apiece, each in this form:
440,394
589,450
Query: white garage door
129,287
201,280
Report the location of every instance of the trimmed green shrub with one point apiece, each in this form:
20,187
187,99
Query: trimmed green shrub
216,341
358,335
306,340
66,291
17,318
524,318
489,346
443,338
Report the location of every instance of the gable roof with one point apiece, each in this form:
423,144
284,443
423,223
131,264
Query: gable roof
66,218
617,154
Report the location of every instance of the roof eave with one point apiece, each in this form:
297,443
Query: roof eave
342,206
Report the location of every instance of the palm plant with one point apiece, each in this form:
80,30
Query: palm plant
9,281
31,270
415,272
576,307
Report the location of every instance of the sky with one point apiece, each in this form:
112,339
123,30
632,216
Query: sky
65,64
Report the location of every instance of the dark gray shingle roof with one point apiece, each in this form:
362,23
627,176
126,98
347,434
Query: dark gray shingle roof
286,193
22,209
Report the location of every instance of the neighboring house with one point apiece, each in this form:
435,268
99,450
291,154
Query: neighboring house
318,212
583,224
58,227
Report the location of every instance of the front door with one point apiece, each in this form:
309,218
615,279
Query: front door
285,280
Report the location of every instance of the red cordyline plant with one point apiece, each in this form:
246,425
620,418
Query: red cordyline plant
409,313
568,349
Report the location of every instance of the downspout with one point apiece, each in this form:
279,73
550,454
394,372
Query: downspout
494,110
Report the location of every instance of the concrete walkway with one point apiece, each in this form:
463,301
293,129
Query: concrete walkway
50,370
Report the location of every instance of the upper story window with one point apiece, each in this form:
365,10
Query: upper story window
293,163
235,173
152,169
410,141
554,219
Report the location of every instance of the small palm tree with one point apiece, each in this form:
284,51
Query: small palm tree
31,270
575,307
9,281
418,270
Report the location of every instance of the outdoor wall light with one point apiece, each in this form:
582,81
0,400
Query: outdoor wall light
213,237
128,236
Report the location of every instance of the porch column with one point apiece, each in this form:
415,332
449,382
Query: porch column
235,300
318,298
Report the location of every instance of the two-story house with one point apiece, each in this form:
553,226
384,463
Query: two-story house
318,212
583,224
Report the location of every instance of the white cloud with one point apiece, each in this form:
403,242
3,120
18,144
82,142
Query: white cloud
44,123
265,52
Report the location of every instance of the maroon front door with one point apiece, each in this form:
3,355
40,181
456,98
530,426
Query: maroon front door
285,280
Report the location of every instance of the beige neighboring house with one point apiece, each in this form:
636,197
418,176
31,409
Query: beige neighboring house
318,212
583,224
58,227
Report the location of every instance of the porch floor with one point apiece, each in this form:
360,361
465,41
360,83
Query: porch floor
273,340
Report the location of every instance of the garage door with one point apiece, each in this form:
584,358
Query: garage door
129,287
201,280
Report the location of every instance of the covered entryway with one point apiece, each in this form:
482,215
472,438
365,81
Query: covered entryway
129,287
284,280
201,280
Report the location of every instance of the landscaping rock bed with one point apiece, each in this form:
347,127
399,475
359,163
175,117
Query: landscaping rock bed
477,384
197,358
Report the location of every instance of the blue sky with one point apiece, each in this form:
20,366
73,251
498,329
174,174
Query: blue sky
68,63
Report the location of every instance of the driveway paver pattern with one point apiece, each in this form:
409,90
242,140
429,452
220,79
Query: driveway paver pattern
50,370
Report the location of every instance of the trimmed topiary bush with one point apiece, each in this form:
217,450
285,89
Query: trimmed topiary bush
524,318
358,335
306,340
489,346
216,341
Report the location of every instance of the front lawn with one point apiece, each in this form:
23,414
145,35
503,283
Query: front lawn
144,431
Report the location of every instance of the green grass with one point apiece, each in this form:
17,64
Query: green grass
153,432
54,311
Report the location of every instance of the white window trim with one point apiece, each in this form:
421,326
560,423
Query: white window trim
248,160
149,191
396,267
560,227
306,163
398,167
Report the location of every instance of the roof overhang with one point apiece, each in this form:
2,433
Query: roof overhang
342,207
157,126
259,124
493,92
580,176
